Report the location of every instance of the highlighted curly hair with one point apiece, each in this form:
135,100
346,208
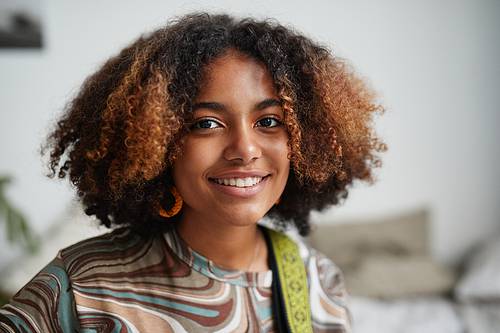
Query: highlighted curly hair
119,136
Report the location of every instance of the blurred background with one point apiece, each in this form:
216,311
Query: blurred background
435,64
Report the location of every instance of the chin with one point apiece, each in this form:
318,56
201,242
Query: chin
245,219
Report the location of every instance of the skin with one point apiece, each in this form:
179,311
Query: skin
236,132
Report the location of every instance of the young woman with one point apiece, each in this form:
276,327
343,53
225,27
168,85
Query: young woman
182,143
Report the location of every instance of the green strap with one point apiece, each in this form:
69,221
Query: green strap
293,282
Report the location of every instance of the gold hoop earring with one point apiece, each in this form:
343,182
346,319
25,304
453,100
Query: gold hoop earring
177,205
278,201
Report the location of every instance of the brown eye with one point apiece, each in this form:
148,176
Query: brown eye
205,124
268,122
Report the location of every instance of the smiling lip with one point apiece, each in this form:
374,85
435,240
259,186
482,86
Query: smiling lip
238,182
241,185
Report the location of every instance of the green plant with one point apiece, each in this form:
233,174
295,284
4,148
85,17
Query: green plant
18,230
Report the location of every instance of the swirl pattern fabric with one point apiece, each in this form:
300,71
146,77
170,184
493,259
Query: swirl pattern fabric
121,282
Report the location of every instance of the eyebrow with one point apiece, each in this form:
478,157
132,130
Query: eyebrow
209,105
266,104
215,106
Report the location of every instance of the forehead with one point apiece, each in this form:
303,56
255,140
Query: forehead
234,65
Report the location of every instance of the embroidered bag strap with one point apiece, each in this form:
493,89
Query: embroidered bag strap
290,289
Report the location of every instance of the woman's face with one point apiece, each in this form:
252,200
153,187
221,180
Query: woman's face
234,164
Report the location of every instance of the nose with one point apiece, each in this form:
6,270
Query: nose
242,146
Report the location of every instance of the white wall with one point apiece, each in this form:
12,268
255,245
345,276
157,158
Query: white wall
435,63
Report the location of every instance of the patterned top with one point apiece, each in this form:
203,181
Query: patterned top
121,282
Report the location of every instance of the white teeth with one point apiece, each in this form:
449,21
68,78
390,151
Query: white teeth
239,182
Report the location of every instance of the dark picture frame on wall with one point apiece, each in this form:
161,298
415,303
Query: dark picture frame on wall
21,24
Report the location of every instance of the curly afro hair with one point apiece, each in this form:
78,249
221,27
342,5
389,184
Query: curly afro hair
119,136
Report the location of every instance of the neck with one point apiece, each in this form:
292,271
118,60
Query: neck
227,245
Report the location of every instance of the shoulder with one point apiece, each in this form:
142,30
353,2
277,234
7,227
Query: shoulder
328,297
111,240
313,258
323,273
119,247
47,302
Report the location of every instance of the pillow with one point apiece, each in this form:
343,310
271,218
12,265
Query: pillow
390,277
385,259
348,243
481,280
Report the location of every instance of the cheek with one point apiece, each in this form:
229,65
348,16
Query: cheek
189,170
279,152
185,172
185,167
